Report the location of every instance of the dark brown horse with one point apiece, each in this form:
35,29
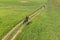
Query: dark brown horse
26,19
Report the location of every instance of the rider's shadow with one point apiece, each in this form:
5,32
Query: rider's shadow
29,22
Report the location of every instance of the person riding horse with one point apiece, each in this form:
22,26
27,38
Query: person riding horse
26,19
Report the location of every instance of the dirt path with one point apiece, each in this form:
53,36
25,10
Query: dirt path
20,30
18,24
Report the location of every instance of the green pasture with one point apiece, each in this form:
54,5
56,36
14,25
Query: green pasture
35,29
12,11
45,26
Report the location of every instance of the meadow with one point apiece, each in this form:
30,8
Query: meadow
12,11
45,26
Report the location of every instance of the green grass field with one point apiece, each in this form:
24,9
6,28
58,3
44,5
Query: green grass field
12,11
35,30
46,26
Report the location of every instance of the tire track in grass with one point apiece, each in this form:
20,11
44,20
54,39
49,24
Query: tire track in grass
36,13
18,24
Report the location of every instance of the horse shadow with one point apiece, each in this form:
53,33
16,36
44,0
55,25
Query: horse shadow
29,23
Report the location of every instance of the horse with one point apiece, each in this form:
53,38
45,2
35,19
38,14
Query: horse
26,19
